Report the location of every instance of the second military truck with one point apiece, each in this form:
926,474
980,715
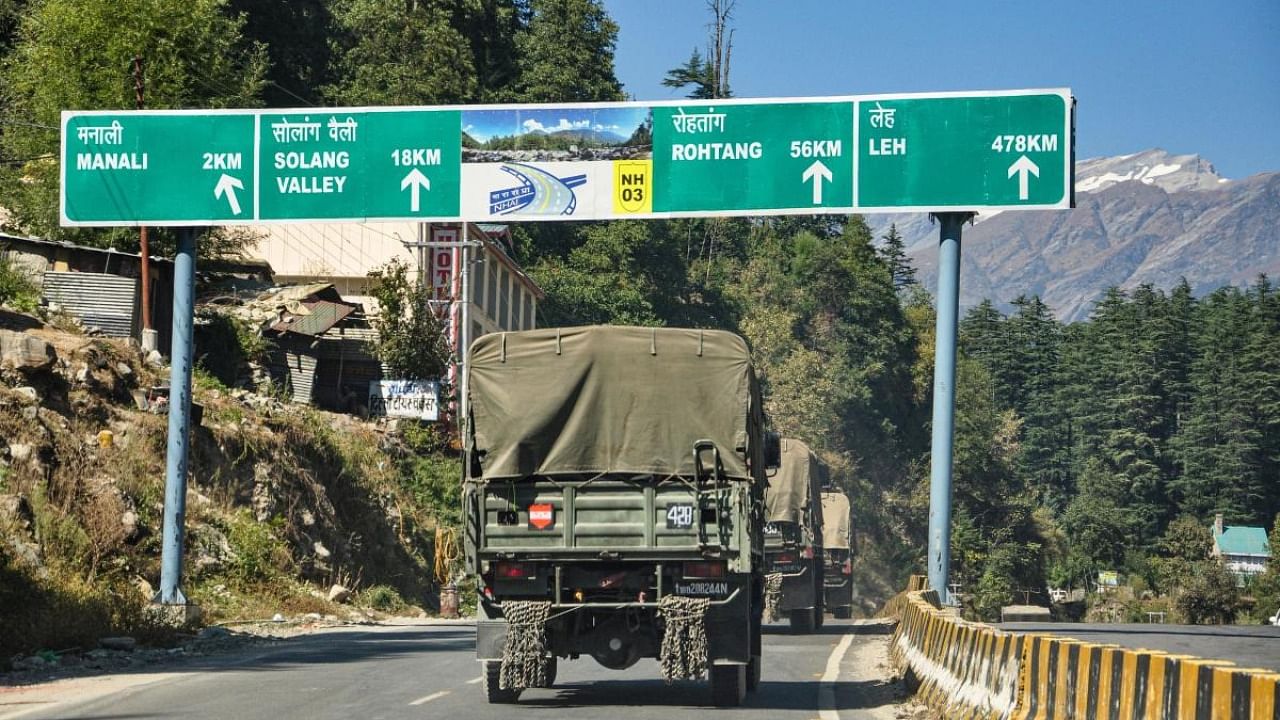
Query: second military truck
793,538
614,501
837,542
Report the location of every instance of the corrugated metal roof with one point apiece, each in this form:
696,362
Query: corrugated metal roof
492,228
1243,540
322,315
107,302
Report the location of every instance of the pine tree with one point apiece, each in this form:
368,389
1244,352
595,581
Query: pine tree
566,53
1044,460
708,75
1220,443
894,252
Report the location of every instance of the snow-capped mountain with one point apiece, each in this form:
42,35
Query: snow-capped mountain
1151,167
1146,217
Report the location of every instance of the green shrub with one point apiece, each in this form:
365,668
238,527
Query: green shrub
259,553
225,343
16,288
1210,596
384,598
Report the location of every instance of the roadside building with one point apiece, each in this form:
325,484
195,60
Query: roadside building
322,347
1243,549
100,287
325,340
502,297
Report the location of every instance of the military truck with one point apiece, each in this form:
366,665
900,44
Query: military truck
793,538
614,504
837,546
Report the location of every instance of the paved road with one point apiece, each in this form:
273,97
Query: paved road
1254,646
430,671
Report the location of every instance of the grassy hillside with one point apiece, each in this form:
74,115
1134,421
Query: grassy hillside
282,503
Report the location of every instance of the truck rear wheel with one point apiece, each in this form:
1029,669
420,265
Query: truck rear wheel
802,621
491,684
728,685
843,612
551,672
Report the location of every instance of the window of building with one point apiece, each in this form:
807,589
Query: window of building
504,297
477,281
491,302
529,313
517,304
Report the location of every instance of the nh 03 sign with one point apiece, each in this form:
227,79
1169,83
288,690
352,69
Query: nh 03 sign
417,399
1003,150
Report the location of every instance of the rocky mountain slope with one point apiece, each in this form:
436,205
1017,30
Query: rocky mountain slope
284,502
1150,217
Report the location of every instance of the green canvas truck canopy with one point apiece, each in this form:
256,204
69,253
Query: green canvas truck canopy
799,479
605,399
836,530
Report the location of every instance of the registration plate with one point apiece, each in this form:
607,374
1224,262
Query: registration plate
704,588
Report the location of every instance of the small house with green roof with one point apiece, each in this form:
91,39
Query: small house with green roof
1243,549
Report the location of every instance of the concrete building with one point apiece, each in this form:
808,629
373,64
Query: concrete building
501,297
1243,549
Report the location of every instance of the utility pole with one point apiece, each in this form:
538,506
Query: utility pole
150,338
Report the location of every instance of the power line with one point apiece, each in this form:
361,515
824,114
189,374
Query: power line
19,123
20,161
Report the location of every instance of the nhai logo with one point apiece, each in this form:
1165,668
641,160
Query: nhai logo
537,192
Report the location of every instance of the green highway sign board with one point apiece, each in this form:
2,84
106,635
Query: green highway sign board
753,157
123,167
1004,150
326,165
996,151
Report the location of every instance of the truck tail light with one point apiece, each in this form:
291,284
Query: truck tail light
847,568
708,569
515,570
807,552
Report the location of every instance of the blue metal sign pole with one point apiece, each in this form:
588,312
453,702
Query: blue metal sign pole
182,352
944,400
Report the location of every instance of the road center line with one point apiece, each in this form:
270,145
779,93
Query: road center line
473,681
827,688
429,698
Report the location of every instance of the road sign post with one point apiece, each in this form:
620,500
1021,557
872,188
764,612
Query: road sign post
944,400
175,480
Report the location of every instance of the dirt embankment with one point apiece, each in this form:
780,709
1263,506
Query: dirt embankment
283,502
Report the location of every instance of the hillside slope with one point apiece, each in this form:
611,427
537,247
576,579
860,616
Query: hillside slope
282,502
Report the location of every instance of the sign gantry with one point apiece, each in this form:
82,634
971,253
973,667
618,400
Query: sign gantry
1005,150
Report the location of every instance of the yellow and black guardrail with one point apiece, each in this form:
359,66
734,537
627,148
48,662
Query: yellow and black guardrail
972,671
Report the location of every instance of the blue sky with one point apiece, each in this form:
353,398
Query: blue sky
1190,76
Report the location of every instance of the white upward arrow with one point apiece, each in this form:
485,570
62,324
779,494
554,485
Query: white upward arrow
817,172
228,185
1022,166
416,180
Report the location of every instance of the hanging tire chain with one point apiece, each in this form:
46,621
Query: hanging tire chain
524,655
684,637
772,595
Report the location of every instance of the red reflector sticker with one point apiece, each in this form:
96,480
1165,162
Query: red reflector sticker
542,516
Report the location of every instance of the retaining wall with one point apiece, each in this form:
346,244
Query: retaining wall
970,671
